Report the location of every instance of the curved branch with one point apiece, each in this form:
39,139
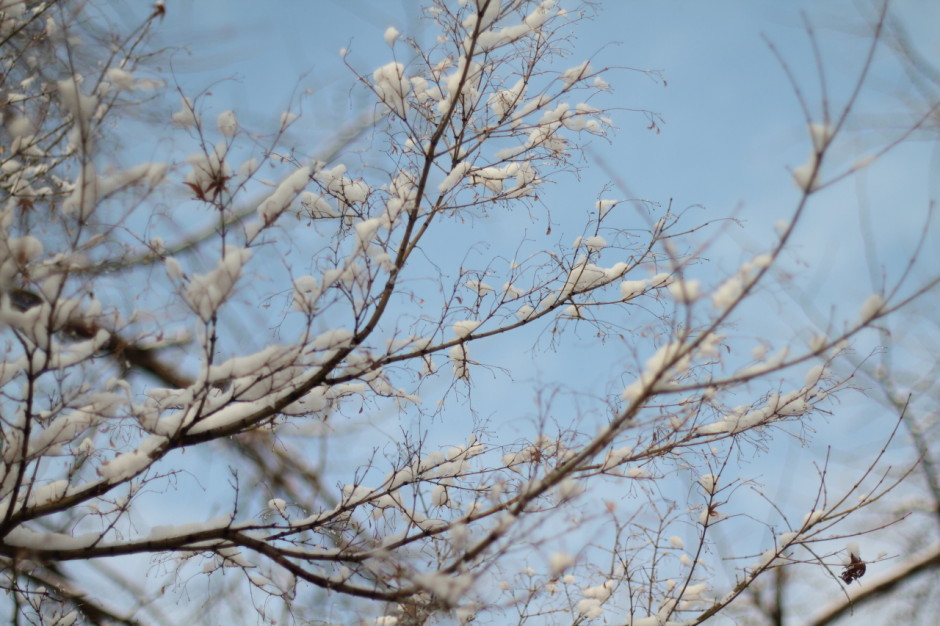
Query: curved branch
879,587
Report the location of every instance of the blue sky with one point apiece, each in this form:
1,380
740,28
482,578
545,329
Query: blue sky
732,122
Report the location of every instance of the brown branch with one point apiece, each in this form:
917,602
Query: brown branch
879,587
92,609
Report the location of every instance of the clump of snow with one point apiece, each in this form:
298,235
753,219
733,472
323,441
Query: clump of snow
779,406
227,124
227,416
131,463
852,550
616,457
271,207
365,231
332,339
577,73
278,505
207,292
583,277
186,116
821,135
558,562
147,174
306,293
812,517
806,176
814,375
594,597
173,268
81,106
491,177
590,608
120,78
709,483
663,279
454,177
21,250
630,289
872,307
463,328
710,516
471,75
604,206
287,118
349,192
502,102
480,287
573,311
391,87
317,206
525,312
439,496
685,291
458,358
595,244
669,361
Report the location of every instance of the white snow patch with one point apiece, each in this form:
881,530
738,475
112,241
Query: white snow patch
463,328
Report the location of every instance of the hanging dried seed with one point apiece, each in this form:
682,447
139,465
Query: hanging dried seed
854,570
